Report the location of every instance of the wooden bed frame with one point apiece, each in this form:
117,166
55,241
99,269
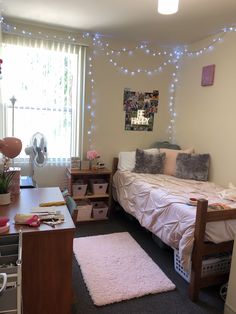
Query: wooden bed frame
201,248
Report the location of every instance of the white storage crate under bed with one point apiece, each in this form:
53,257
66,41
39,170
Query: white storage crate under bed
212,265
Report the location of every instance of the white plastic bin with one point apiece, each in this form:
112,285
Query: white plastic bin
212,265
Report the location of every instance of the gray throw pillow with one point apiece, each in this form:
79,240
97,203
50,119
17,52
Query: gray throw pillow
146,162
192,166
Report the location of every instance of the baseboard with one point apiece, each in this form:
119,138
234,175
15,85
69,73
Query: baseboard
228,310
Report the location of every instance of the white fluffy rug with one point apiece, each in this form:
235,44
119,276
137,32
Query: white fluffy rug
116,268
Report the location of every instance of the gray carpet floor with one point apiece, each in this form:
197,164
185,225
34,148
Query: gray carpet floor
164,303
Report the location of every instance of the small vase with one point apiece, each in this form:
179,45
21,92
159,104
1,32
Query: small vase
5,199
90,164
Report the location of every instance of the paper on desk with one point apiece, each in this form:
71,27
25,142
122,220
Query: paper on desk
43,210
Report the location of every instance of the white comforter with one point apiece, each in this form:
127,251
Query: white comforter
159,203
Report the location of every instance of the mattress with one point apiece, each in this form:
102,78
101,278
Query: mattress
160,204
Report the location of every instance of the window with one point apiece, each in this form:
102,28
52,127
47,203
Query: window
47,83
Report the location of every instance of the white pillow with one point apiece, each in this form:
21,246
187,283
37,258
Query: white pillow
127,159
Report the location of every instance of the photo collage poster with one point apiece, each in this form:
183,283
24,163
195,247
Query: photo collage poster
140,108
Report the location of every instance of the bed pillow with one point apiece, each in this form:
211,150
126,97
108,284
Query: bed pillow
192,166
170,161
148,162
127,159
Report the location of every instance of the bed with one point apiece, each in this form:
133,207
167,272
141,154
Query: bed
160,203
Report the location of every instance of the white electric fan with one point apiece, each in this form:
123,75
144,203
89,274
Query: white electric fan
37,152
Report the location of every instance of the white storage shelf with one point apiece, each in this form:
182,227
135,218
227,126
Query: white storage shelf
90,186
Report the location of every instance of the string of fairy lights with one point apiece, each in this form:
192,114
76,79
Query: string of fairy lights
92,105
172,58
101,45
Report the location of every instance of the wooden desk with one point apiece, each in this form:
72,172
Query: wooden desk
47,255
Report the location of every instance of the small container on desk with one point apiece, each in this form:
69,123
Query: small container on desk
15,182
75,162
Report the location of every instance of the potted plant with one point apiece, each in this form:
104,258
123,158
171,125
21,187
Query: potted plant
5,181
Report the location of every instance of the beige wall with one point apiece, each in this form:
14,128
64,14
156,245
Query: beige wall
109,136
206,115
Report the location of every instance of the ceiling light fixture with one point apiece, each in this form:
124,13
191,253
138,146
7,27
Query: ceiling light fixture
167,6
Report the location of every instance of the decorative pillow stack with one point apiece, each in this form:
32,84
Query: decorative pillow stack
127,159
148,162
182,164
170,161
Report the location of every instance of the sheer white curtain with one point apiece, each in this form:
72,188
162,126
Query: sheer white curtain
47,80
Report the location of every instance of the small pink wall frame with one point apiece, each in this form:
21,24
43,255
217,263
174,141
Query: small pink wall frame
208,73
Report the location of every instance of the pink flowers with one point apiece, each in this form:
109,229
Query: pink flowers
92,154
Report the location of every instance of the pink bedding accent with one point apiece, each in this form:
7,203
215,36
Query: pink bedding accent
170,161
159,203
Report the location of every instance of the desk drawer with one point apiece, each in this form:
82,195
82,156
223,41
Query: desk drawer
8,256
8,260
11,249
8,253
9,270
9,239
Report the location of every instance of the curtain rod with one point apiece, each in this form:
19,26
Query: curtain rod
35,36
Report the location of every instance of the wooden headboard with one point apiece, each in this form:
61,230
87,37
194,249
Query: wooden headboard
114,165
